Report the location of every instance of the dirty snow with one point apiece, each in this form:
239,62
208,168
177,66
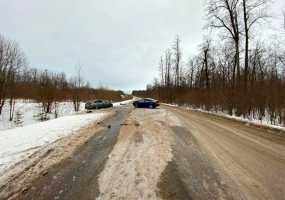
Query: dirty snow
265,122
18,143
128,173
122,103
171,105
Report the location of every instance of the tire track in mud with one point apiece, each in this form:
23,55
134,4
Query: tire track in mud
138,159
190,175
77,177
161,159
154,156
249,159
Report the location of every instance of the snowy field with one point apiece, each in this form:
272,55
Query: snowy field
18,143
26,134
28,112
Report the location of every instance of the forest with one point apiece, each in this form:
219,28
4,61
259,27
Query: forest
19,81
234,71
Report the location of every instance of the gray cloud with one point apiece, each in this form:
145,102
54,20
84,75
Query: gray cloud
117,42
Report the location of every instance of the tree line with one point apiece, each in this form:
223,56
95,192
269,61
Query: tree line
18,80
234,72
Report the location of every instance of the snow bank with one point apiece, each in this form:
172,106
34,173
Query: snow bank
122,103
18,143
171,105
265,122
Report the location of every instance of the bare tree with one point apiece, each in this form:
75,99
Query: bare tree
168,57
162,71
177,60
17,62
76,84
46,93
224,14
4,48
254,11
191,68
11,60
206,54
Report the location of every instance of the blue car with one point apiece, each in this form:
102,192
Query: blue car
146,103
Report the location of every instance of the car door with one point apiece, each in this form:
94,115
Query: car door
140,103
105,104
98,104
146,103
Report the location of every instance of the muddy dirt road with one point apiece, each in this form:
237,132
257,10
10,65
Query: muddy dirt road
170,153
252,159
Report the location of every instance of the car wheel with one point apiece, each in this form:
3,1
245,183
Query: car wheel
151,106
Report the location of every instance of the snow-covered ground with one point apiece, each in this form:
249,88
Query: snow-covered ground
264,122
26,134
18,143
28,112
122,103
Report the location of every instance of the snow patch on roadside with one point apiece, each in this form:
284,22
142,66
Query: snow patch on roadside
171,105
264,122
19,143
253,122
123,103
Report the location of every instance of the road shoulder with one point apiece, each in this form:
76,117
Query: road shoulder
18,180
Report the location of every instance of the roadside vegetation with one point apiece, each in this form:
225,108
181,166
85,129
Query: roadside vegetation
235,71
19,81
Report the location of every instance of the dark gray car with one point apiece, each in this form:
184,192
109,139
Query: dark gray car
98,104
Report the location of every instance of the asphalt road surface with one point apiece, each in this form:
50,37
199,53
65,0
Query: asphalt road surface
170,153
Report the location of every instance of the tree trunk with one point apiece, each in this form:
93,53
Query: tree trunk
206,68
246,56
1,106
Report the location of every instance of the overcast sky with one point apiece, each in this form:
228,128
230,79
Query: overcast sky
118,42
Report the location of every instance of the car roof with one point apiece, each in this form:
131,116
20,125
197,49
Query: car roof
150,99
